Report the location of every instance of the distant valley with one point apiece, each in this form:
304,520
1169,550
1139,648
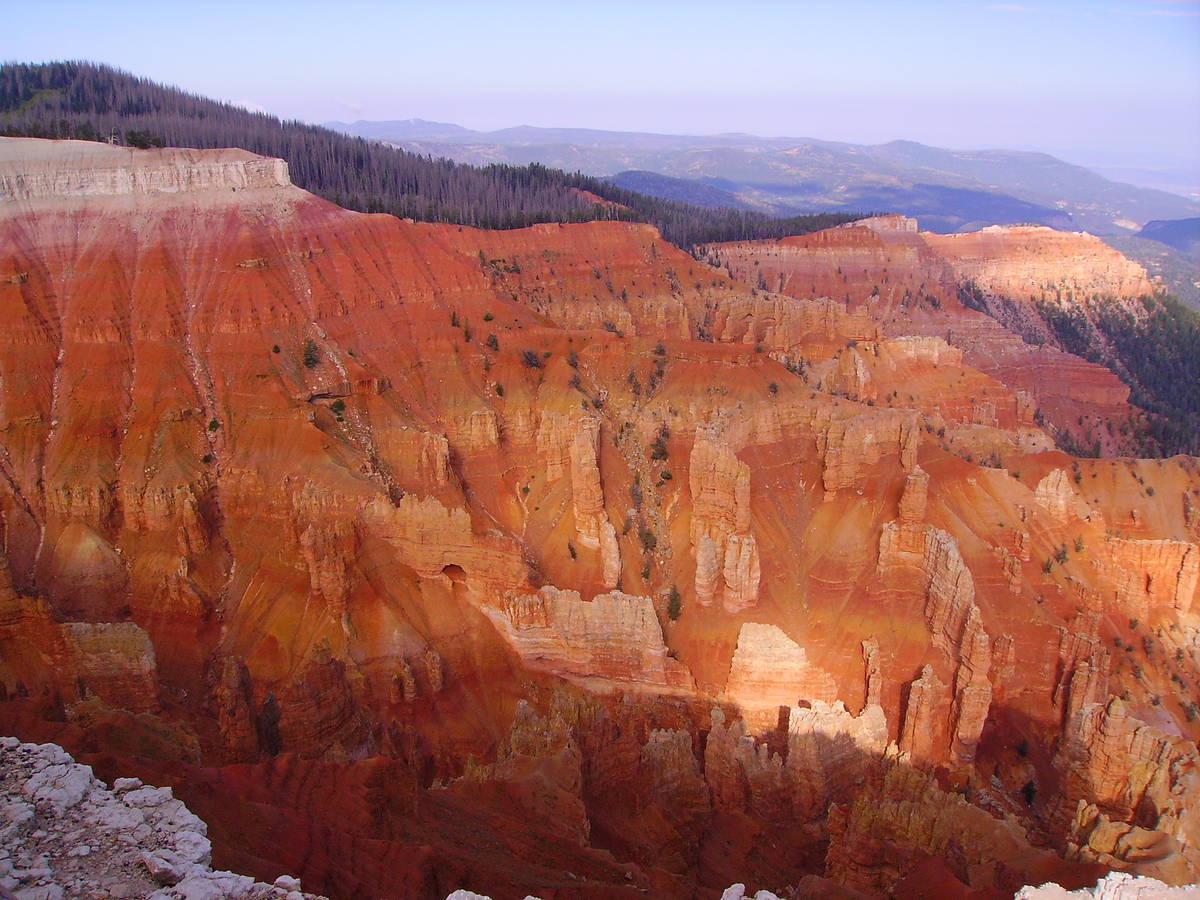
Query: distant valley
1170,251
947,190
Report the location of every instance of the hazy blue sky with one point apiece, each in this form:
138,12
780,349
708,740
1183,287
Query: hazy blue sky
1109,76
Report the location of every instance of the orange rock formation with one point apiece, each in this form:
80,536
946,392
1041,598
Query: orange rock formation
910,282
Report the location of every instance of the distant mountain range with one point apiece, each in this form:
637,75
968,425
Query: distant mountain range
947,190
90,102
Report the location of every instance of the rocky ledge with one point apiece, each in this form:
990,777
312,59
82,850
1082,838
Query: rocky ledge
63,834
34,169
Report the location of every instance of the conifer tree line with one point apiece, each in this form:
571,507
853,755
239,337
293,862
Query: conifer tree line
85,101
1160,361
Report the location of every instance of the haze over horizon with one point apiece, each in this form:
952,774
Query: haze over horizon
1107,86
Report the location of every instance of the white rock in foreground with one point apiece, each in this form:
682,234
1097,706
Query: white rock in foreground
734,892
738,892
64,834
1114,886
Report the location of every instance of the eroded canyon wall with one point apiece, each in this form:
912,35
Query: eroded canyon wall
557,559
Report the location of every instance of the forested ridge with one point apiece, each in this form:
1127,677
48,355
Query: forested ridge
85,101
1157,354
1159,358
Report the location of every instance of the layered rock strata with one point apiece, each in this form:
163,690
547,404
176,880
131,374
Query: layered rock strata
913,283
45,171
770,670
727,562
613,637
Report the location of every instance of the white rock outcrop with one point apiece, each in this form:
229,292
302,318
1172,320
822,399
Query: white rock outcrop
64,834
35,169
738,892
734,892
1114,886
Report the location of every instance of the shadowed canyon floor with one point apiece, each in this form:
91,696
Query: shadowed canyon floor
555,561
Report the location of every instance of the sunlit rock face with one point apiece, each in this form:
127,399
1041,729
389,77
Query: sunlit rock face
916,283
1024,260
417,557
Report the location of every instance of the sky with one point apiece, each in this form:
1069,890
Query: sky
1114,80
